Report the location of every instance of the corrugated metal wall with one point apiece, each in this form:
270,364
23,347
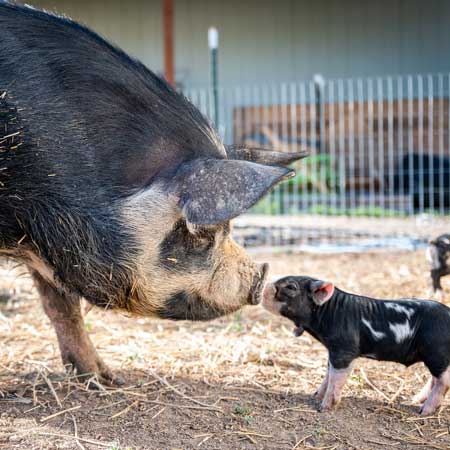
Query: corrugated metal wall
283,40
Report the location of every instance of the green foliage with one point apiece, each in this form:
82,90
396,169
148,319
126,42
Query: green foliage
314,174
244,412
361,211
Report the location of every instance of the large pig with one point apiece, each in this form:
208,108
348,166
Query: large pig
113,187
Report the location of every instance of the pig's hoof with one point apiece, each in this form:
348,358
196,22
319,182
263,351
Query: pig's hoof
319,394
325,407
424,411
93,371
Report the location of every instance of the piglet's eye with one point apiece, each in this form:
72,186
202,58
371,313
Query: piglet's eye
291,287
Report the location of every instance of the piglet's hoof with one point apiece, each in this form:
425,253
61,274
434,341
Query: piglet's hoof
426,411
298,331
319,394
324,407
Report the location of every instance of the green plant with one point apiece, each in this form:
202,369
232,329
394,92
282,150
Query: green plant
245,412
360,211
315,174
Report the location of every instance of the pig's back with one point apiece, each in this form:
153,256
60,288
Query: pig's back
92,117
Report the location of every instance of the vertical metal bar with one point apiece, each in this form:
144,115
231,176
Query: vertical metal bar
411,189
248,126
265,98
293,137
312,130
257,109
361,139
400,134
229,124
284,189
275,137
332,140
303,132
430,143
441,142
192,95
446,168
203,101
380,139
223,105
239,133
390,95
420,97
342,156
351,145
321,145
371,145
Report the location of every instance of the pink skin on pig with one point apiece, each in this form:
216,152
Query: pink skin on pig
335,381
434,400
268,299
425,391
320,393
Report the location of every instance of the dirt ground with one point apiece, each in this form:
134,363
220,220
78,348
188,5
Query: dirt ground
241,382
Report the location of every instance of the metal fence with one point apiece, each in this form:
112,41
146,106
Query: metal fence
379,146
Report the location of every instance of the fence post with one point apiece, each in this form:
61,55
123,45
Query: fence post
213,44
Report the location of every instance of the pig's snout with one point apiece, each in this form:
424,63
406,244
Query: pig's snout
259,281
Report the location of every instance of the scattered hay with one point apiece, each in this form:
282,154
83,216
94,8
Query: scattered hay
185,380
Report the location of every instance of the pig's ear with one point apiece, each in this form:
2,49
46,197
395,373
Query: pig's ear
265,156
212,191
321,291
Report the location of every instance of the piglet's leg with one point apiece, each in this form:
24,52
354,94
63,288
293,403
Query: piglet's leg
77,351
320,393
425,392
437,394
336,382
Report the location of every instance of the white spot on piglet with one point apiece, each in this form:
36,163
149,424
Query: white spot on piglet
376,334
401,331
400,308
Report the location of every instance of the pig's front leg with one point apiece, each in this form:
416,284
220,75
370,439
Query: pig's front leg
77,351
320,393
425,391
336,382
434,400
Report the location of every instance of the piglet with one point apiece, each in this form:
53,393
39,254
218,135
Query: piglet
406,331
438,255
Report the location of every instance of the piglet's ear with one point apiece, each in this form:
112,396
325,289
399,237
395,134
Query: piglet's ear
321,291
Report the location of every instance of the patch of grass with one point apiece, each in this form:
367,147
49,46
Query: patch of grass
237,325
361,211
357,377
245,412
134,357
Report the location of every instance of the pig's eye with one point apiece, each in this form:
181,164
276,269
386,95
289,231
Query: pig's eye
291,287
203,243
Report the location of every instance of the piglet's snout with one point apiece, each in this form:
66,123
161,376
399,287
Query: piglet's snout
269,301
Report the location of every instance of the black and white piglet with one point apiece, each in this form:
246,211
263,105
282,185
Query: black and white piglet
406,331
438,254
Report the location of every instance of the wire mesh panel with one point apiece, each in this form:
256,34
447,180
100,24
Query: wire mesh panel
379,146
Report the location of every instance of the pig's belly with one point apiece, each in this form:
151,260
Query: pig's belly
395,354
